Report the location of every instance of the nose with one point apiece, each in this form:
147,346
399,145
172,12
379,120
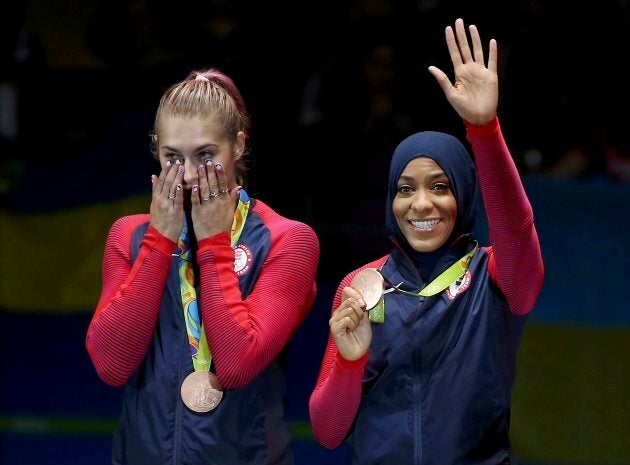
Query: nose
422,201
191,176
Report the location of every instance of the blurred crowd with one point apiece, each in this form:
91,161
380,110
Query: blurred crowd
333,86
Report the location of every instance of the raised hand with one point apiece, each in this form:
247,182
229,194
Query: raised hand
475,92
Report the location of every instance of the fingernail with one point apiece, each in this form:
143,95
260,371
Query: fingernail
179,187
218,166
362,302
208,162
169,162
195,188
178,162
201,168
180,169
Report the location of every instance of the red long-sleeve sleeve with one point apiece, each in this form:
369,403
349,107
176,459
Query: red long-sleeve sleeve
245,335
335,400
515,256
122,326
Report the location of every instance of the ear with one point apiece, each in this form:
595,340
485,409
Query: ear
239,145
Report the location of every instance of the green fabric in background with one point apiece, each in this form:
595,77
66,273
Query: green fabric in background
52,262
572,396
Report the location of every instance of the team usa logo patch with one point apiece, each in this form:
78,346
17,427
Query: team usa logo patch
242,259
459,286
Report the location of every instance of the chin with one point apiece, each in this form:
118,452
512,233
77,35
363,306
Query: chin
426,246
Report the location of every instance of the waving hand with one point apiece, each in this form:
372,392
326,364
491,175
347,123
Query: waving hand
474,94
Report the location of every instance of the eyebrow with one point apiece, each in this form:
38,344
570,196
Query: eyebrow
436,175
197,149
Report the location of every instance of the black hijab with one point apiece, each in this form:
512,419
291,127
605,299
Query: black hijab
451,155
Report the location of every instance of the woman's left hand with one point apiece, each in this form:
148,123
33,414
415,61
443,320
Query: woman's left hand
213,203
475,93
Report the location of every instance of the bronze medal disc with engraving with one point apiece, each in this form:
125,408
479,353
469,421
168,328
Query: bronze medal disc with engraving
200,391
369,283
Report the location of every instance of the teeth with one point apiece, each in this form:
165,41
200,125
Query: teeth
424,224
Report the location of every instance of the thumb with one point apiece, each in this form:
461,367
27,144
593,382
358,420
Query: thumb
441,78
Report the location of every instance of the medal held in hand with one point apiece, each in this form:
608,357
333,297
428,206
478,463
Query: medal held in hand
200,391
369,283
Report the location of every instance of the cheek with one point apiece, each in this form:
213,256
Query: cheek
226,159
451,207
228,167
399,208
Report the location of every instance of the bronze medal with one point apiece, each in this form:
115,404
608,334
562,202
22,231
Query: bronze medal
200,391
369,283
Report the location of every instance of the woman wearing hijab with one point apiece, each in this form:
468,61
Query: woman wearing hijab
421,357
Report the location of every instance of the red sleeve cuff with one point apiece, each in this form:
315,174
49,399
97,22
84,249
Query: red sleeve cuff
490,127
159,242
220,239
352,364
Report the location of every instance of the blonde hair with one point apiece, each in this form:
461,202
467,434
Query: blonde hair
212,94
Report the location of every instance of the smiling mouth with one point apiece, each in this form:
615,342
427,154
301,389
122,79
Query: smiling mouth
424,224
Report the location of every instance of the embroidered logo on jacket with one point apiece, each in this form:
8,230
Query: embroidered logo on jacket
458,286
242,259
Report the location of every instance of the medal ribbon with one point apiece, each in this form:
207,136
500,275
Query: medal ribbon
199,349
445,279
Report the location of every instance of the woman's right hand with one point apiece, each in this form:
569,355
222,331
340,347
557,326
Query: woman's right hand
167,201
350,325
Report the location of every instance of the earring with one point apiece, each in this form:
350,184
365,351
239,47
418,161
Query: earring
153,143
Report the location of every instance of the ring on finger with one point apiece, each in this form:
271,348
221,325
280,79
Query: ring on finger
213,194
171,196
205,199
223,191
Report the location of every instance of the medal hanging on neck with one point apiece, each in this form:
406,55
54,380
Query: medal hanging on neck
370,283
200,390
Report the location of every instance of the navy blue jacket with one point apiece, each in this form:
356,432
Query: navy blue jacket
433,357
157,428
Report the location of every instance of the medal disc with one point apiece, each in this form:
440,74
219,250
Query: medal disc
200,391
369,283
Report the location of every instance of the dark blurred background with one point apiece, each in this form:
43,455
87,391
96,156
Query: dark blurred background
332,86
